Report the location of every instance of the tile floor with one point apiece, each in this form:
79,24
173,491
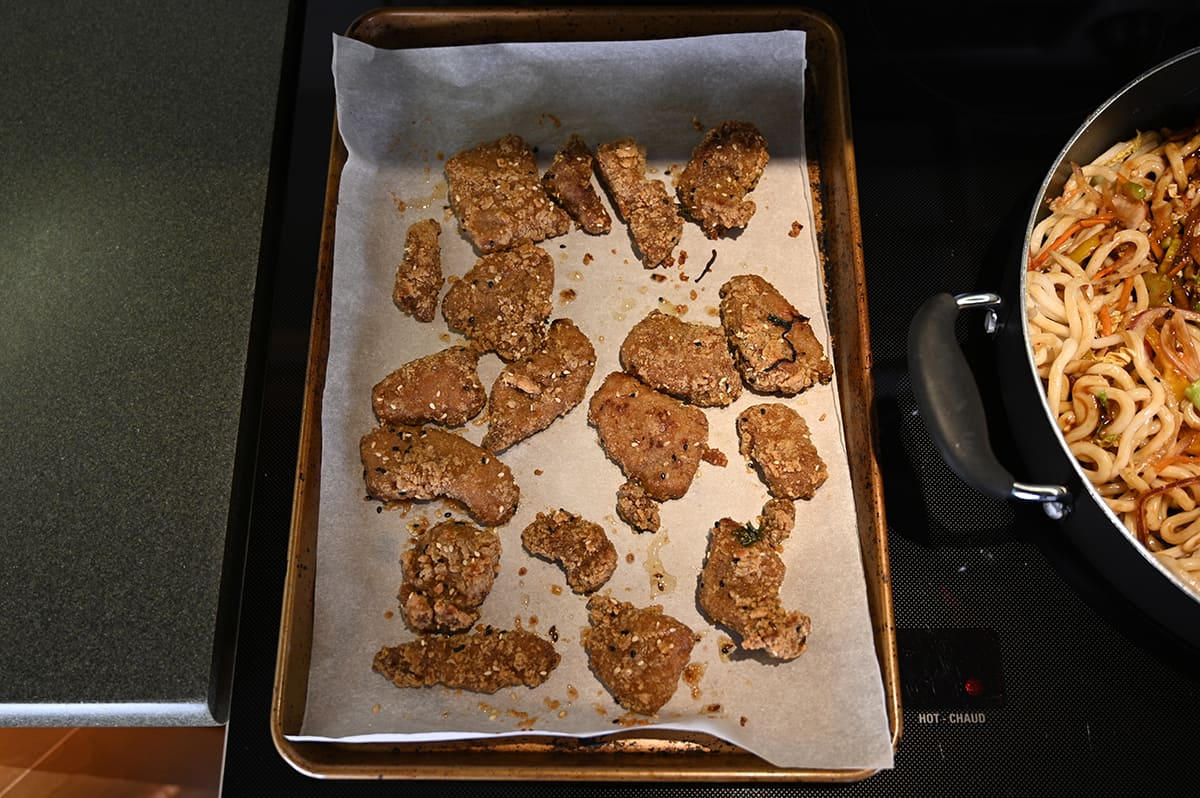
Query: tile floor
111,763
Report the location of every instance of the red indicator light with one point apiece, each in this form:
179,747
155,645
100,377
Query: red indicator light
974,686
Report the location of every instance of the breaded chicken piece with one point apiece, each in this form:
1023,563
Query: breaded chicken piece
657,440
483,661
448,572
724,168
419,273
569,182
773,344
636,508
645,206
776,440
688,360
740,581
578,545
503,303
638,653
531,393
421,464
442,388
496,194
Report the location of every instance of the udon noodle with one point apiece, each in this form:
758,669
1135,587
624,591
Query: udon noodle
1113,294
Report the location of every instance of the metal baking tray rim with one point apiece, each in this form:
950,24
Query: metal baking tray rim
633,755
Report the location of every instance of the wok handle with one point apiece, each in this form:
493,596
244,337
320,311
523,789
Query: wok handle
949,402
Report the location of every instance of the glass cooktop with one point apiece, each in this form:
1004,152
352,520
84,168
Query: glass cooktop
1022,672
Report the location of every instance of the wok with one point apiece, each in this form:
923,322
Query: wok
1167,95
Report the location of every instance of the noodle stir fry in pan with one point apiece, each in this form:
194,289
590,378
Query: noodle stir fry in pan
1113,303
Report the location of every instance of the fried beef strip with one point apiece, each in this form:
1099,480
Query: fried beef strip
776,440
580,546
531,393
503,303
773,344
569,182
421,464
483,661
657,440
448,572
638,653
496,194
724,168
643,204
740,581
442,388
688,360
419,273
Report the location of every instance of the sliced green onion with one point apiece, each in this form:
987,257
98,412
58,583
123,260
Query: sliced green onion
1172,250
1134,190
1192,392
1081,252
1158,287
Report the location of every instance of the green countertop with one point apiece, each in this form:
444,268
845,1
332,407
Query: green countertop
136,141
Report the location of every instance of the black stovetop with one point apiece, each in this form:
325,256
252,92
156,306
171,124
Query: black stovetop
1022,672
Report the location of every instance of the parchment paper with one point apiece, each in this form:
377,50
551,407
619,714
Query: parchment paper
402,113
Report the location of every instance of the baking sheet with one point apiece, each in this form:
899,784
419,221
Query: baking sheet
401,113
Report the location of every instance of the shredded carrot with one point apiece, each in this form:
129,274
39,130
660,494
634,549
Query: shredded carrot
1170,258
1065,237
1180,453
1109,269
1162,463
1106,322
1156,250
1126,293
